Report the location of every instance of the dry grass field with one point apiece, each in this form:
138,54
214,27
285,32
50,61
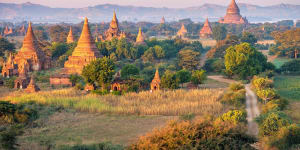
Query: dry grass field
178,102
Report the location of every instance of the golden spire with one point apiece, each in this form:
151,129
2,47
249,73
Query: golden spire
70,38
140,37
96,39
114,22
29,43
86,45
206,28
156,76
182,30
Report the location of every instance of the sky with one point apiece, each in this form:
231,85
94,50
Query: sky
147,3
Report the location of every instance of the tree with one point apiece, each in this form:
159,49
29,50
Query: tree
169,80
289,41
129,71
266,94
188,59
198,77
220,49
184,76
159,52
58,34
219,32
100,71
58,49
244,60
235,116
149,55
248,38
5,46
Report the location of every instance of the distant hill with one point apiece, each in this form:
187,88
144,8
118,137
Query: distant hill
99,13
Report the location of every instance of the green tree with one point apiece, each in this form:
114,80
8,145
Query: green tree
244,60
235,116
6,46
58,49
219,32
58,34
198,77
169,80
159,52
184,76
266,94
100,71
149,55
129,71
248,38
188,59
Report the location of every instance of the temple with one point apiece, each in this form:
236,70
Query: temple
32,87
31,53
7,31
85,52
182,32
155,84
206,31
233,15
70,38
163,20
140,37
113,30
9,67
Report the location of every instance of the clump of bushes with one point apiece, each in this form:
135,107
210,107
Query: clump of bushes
291,67
235,95
197,134
235,116
9,82
275,128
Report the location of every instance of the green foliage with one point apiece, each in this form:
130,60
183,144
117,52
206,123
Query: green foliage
169,80
266,94
184,76
100,71
214,65
74,78
129,71
260,83
58,34
6,46
235,96
291,67
288,87
236,87
248,38
275,105
219,32
243,60
235,116
270,123
100,146
10,82
58,49
198,76
8,137
198,134
188,59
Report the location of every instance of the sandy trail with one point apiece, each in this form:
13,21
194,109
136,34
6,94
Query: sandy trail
252,110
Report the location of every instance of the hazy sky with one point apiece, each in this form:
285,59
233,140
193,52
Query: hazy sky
149,3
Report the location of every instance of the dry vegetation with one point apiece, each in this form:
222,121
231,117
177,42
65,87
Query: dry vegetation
179,102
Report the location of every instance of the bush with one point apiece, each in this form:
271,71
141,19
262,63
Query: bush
234,98
198,77
100,92
291,67
267,94
10,82
74,78
8,138
275,105
214,65
199,134
272,122
169,80
260,83
235,116
236,86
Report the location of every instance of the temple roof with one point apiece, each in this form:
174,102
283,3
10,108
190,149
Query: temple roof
206,28
29,42
86,45
114,22
32,87
156,77
140,37
233,8
163,20
182,30
70,38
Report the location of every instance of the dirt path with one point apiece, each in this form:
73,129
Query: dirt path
203,59
221,79
252,111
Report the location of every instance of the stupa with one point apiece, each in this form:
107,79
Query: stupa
31,53
70,38
233,15
206,31
163,20
7,31
182,32
9,67
114,30
155,84
140,37
32,87
85,52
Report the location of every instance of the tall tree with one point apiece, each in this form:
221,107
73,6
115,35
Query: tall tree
288,40
5,45
58,34
219,32
188,59
248,38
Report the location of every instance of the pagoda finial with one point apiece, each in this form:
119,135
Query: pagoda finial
70,38
156,76
140,38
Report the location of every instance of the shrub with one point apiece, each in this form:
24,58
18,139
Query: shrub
235,116
10,82
199,134
274,105
272,122
235,96
8,138
198,77
261,83
74,78
214,65
291,67
236,86
266,94
169,80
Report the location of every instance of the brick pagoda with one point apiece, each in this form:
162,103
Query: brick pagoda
206,31
155,84
233,15
182,32
70,38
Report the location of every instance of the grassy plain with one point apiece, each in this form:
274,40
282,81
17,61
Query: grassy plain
289,88
278,62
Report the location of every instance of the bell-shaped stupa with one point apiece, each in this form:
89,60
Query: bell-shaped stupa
206,31
233,15
182,32
140,37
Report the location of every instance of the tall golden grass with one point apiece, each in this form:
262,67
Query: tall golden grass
178,102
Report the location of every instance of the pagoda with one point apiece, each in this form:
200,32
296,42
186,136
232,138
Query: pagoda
22,80
114,30
32,87
85,52
233,15
182,32
70,38
140,37
7,31
206,31
9,68
155,84
31,53
22,30
163,20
